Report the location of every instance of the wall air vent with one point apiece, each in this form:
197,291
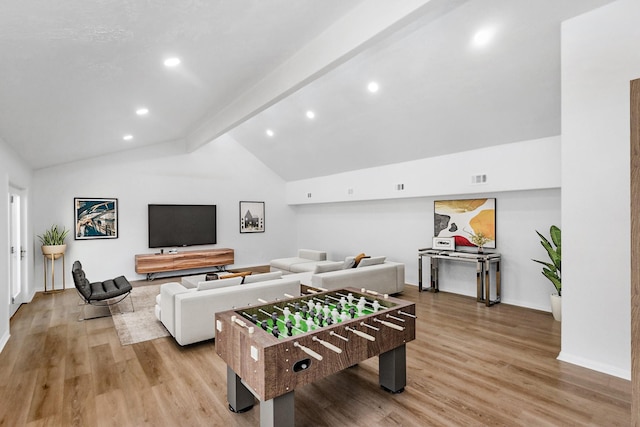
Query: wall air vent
479,179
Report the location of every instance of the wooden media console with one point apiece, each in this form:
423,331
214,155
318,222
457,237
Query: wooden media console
185,260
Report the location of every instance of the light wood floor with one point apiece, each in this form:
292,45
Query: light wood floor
469,365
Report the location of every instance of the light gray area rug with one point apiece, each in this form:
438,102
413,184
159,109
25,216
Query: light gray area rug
141,324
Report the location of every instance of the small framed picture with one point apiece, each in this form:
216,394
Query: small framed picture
95,218
251,217
444,243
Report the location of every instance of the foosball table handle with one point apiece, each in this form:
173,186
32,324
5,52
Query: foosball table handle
243,324
308,351
389,324
361,334
330,346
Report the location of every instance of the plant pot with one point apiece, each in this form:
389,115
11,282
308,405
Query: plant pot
53,250
556,307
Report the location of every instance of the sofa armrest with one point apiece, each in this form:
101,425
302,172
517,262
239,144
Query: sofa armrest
195,311
168,292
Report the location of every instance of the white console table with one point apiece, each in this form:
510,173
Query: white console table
483,263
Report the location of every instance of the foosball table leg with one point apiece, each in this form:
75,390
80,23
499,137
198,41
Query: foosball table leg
278,412
392,369
239,397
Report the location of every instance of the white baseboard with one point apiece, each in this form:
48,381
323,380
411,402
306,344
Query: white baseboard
595,366
4,340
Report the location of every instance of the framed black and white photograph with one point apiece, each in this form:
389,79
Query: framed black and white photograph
95,218
251,217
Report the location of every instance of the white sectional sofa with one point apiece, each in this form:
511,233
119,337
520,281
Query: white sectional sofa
372,273
188,313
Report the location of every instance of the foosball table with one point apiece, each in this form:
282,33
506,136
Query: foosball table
274,348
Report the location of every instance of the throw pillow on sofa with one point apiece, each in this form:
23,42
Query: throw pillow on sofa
219,283
371,261
359,258
353,261
328,266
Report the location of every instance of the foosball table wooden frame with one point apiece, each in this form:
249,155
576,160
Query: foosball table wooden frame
271,367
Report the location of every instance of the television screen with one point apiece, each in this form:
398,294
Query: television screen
181,225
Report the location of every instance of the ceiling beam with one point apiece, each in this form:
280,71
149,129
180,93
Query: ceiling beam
366,24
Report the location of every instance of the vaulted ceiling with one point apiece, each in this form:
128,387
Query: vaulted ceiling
73,73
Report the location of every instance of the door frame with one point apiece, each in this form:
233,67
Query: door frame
17,255
634,173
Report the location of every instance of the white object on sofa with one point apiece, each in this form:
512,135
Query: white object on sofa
188,314
306,260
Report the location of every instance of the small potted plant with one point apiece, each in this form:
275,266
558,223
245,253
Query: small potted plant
552,268
53,241
479,239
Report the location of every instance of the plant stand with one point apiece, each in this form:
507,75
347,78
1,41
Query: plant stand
53,258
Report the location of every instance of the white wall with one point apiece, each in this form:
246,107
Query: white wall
599,59
13,172
397,227
525,165
221,173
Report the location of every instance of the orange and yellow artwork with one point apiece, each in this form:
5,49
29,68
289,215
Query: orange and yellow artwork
463,219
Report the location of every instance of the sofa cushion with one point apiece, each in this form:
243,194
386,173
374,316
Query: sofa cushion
328,266
349,262
285,264
254,278
310,266
220,283
371,261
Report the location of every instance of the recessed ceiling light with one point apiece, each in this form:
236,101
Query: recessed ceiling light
127,137
270,133
172,62
142,111
311,114
483,37
373,87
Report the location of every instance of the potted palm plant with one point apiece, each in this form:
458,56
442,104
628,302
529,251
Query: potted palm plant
551,269
53,241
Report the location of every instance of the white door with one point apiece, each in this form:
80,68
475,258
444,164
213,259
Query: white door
16,253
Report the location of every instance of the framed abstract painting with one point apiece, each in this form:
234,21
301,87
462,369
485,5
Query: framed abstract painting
471,222
95,218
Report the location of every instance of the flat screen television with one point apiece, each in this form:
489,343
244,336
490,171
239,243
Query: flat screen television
181,225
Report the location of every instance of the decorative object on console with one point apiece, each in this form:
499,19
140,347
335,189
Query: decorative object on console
444,243
551,270
251,217
479,239
95,218
468,217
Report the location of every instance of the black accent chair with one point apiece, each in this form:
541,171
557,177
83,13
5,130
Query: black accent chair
102,294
